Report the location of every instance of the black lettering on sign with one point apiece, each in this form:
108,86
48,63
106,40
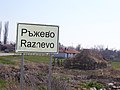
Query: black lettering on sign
51,45
52,34
36,34
29,44
30,34
33,44
23,43
42,34
47,34
47,45
23,31
43,45
38,44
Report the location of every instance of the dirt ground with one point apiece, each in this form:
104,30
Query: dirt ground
36,76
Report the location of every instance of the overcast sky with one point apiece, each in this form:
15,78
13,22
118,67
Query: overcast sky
85,22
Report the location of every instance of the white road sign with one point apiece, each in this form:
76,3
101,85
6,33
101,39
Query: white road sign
37,38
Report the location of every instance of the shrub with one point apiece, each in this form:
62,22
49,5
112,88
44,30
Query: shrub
88,85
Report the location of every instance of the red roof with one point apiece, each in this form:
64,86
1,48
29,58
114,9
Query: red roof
69,50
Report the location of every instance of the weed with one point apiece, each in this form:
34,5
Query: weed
2,84
88,85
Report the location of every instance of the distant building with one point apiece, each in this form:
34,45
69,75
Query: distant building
66,53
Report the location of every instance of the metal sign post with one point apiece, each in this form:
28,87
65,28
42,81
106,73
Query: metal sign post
22,72
50,72
37,38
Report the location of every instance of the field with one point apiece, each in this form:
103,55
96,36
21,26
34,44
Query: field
116,65
13,59
36,73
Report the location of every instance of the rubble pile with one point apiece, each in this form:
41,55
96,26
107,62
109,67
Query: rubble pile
87,59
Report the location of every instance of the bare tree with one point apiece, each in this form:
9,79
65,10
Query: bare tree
0,30
6,32
78,47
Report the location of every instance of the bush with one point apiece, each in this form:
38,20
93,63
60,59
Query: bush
89,85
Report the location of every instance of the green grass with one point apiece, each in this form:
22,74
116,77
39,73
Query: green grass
13,59
116,65
7,60
2,84
89,85
43,59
